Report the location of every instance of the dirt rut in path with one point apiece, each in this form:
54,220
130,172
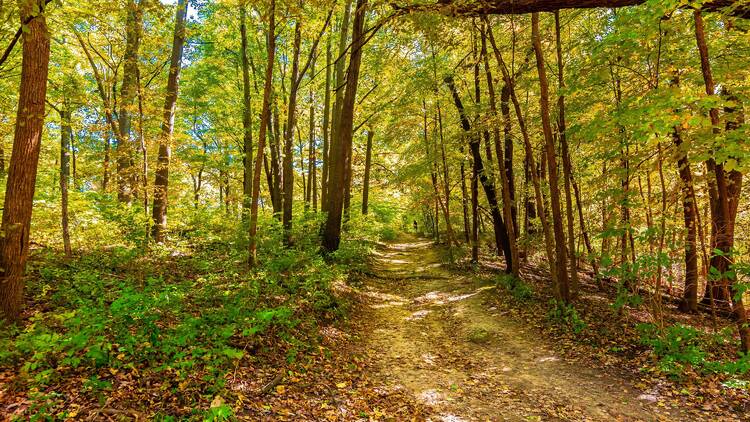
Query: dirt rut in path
431,332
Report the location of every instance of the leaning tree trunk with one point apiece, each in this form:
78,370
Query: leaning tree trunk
343,136
19,190
161,182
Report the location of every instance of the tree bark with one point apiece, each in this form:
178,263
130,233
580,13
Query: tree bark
19,190
161,181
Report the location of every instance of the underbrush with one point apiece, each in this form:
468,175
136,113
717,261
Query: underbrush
130,318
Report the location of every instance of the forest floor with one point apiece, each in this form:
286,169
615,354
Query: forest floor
437,334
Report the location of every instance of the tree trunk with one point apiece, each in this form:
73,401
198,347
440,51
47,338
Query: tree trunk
161,181
291,123
326,131
264,120
557,223
567,165
342,140
247,125
126,180
66,134
276,175
19,190
368,167
311,149
689,301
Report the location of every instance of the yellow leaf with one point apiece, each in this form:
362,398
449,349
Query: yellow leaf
280,389
341,385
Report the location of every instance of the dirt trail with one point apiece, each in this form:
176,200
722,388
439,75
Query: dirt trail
431,332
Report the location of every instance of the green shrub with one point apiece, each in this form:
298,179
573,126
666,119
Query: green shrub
519,289
567,316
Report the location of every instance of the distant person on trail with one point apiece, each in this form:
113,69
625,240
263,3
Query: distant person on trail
415,226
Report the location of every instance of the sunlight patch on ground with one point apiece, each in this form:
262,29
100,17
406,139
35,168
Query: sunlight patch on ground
418,315
431,397
548,359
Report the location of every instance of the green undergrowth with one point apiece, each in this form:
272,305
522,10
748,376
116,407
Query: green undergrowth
681,348
187,311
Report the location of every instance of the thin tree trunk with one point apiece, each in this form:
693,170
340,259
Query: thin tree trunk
326,131
247,125
311,149
264,118
161,181
567,166
368,167
291,123
19,190
557,223
66,134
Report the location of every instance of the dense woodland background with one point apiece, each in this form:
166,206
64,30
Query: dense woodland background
202,174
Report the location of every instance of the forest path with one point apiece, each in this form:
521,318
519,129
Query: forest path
430,331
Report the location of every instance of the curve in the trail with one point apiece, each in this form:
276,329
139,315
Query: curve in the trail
431,332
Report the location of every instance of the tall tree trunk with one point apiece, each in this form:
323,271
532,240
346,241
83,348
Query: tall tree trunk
368,167
264,120
312,148
508,153
501,237
502,162
291,123
19,190
464,199
247,125
342,140
161,181
126,180
567,165
275,184
557,223
66,134
326,131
